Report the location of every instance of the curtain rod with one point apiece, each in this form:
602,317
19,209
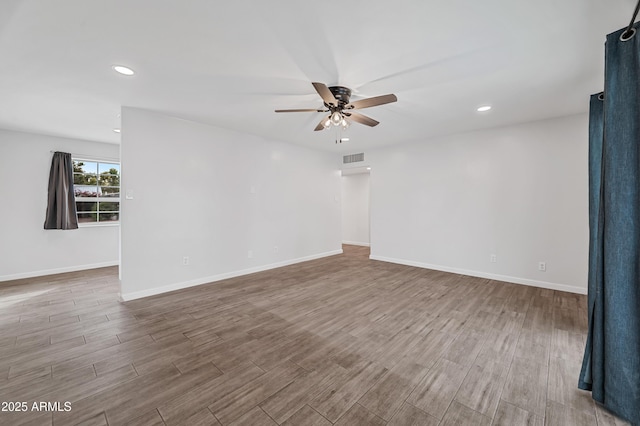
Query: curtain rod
89,157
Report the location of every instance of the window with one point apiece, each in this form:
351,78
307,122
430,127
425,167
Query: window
96,185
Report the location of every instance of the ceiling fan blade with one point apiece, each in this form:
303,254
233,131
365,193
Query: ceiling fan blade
320,125
362,119
302,110
325,94
370,102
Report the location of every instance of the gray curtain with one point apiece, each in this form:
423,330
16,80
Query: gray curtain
611,365
61,203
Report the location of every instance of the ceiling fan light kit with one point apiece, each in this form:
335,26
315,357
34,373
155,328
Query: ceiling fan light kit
337,103
336,118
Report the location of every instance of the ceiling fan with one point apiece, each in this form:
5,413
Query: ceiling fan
340,109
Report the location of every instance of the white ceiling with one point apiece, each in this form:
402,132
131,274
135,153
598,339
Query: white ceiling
232,63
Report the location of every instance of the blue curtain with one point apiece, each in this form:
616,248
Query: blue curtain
593,352
611,364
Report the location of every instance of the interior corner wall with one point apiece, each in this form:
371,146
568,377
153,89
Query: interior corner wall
519,192
224,202
27,249
355,209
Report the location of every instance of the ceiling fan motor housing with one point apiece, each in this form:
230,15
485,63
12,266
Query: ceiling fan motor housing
342,94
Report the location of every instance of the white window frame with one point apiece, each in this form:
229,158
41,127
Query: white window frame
98,199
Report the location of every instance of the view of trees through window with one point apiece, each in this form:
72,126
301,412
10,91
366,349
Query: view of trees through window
97,190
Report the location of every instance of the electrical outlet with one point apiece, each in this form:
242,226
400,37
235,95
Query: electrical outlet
275,249
185,260
493,258
250,254
542,266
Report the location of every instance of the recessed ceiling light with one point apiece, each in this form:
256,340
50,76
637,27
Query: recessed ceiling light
368,168
116,130
123,70
344,139
484,108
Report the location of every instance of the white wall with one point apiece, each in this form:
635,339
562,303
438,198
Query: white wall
355,209
26,248
213,195
519,192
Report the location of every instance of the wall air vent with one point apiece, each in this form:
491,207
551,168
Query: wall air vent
353,158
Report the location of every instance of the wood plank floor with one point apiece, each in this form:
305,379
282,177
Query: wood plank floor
341,340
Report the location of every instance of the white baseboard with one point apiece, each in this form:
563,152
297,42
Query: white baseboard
125,297
43,272
354,243
497,277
